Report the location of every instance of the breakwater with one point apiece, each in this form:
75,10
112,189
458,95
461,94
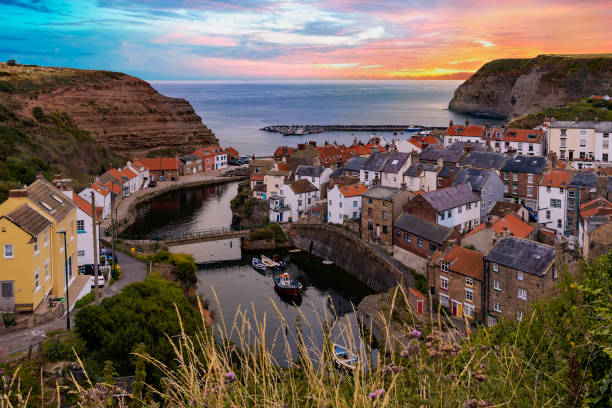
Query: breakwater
297,130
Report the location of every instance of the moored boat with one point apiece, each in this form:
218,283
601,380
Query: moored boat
257,264
327,262
284,284
268,262
279,260
344,358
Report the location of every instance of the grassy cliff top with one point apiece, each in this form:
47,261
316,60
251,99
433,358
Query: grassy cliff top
585,109
557,62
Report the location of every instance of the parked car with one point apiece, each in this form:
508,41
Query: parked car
236,162
245,159
152,183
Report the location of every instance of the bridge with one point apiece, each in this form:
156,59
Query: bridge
211,234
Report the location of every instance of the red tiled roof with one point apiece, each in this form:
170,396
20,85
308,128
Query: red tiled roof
280,149
232,151
510,222
284,167
514,135
416,293
470,130
115,173
556,178
353,190
257,177
598,206
204,152
82,204
161,163
330,154
128,173
101,188
465,261
113,187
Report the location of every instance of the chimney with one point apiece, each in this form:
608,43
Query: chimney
440,162
18,193
467,122
596,119
450,124
487,125
39,176
313,143
452,173
488,223
301,146
373,149
576,119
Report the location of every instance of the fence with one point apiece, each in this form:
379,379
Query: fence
194,235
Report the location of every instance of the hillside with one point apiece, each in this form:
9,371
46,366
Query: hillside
586,109
509,88
119,111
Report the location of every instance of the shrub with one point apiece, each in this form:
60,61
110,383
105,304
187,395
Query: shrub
10,319
85,300
262,233
160,256
11,62
116,272
38,113
184,268
279,234
470,246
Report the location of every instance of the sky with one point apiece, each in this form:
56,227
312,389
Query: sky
301,39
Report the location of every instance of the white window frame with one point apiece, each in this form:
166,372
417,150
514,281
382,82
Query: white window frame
497,285
494,267
469,281
491,321
522,294
12,248
519,275
468,310
519,316
444,300
443,282
469,295
497,307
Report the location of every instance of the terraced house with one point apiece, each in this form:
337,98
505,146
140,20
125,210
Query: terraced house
579,141
32,262
522,176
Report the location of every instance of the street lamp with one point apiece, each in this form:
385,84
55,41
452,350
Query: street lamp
66,273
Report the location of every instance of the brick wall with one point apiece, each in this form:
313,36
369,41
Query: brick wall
522,184
370,224
456,290
420,208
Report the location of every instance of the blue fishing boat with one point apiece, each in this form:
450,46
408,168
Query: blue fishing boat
344,358
257,264
414,129
284,284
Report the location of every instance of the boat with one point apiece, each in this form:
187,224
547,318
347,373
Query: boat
327,262
268,262
279,260
284,284
295,251
414,129
257,264
344,358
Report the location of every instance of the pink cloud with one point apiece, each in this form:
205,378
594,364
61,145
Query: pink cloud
186,39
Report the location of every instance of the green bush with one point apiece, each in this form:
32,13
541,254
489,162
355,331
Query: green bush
184,268
10,319
262,233
279,234
144,312
85,300
38,113
420,281
160,256
470,246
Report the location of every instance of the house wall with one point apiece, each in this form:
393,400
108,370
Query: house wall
351,206
549,216
420,208
369,177
526,191
572,142
99,200
273,184
395,180
85,241
603,147
456,291
492,191
163,175
483,240
379,225
410,259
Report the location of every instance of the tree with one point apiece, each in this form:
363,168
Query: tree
144,312
11,62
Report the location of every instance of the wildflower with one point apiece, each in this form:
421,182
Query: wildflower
387,369
404,353
572,344
471,349
482,365
415,333
230,377
377,394
572,285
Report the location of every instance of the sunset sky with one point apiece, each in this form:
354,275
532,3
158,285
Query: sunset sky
307,39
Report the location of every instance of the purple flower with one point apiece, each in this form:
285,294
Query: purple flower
230,377
377,394
482,365
471,350
415,333
405,353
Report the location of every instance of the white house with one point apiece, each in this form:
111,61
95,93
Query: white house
299,196
142,171
131,179
279,211
344,201
220,158
392,172
84,230
317,175
552,203
421,177
102,197
461,133
603,149
457,206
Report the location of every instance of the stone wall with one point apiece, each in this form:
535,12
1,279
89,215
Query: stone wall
348,252
410,259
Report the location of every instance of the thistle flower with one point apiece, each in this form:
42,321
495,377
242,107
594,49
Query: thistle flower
415,333
377,394
230,377
482,365
404,353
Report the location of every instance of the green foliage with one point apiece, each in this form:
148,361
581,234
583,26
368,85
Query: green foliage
11,63
109,373
240,199
420,281
85,300
140,374
63,349
10,319
184,268
6,86
116,272
38,113
470,246
261,233
163,152
279,234
144,312
161,256
587,109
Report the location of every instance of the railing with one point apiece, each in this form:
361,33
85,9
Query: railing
194,235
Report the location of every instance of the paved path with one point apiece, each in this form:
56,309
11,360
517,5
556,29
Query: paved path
132,271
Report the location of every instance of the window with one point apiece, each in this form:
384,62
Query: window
491,321
354,203
420,243
495,267
548,214
519,316
370,212
355,215
520,146
563,140
340,204
582,141
514,176
439,181
562,154
514,189
370,201
385,215
8,251
444,266
571,194
604,157
469,294
559,223
37,279
312,179
555,203
582,155
449,213
330,203
522,294
468,310
80,225
35,247
469,281
529,178
460,209
468,206
505,188
484,192
407,237
563,132
80,253
497,285
47,276
506,176
385,229
370,226
443,300
529,191
441,215
444,282
497,307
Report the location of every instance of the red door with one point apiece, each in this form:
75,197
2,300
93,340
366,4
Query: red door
420,307
454,309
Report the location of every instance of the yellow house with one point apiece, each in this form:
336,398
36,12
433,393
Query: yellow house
30,220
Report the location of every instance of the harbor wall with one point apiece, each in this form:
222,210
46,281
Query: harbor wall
350,253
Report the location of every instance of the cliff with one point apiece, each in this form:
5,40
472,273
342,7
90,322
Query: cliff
121,112
509,88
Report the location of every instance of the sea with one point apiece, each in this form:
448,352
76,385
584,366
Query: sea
236,110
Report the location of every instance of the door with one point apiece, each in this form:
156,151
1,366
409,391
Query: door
571,155
377,230
457,308
420,307
7,300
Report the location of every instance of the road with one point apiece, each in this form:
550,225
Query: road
132,270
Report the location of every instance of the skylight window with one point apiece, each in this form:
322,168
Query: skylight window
394,162
56,198
47,206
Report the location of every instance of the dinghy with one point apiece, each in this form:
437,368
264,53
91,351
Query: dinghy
279,260
344,358
327,262
284,284
268,262
257,264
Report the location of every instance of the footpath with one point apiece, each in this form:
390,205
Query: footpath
132,270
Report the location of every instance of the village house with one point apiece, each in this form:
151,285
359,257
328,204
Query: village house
257,170
344,202
33,259
595,235
380,206
131,180
581,189
468,146
416,240
369,173
274,179
305,155
208,157
486,235
522,176
460,133
115,177
433,155
317,175
190,164
456,206
416,144
580,141
552,200
162,168
279,211
503,208
485,183
421,177
232,153
300,195
484,160
528,142
282,153
102,198
518,272
220,158
446,176
331,155
142,171
84,231
392,172
455,278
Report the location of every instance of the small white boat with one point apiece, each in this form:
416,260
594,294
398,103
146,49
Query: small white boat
268,262
327,262
295,251
344,358
258,265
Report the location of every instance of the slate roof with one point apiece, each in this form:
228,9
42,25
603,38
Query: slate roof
446,170
476,177
424,229
189,157
451,197
395,161
604,127
596,221
302,186
382,193
572,124
375,162
41,191
584,179
526,164
278,172
309,171
354,164
484,160
459,145
418,168
337,173
523,255
28,219
447,155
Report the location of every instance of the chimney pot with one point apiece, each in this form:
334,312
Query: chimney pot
596,119
450,124
39,176
18,193
467,122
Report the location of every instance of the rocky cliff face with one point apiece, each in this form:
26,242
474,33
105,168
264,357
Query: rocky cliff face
509,88
121,112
